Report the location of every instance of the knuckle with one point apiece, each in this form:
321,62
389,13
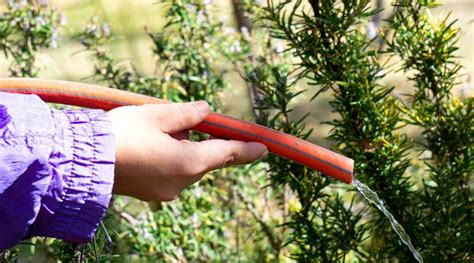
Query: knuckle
187,168
193,162
194,168
186,115
229,160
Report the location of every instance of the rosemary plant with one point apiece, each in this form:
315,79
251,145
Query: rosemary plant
191,228
277,91
427,47
335,55
188,57
106,70
24,30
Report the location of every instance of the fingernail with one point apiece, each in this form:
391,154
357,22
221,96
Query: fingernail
265,153
201,106
259,147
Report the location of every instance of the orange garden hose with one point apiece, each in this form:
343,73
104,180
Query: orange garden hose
92,96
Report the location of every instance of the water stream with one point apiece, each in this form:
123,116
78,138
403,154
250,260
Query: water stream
372,197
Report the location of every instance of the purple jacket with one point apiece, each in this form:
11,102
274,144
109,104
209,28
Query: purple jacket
56,170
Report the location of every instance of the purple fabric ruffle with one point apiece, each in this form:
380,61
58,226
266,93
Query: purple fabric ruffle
56,170
82,168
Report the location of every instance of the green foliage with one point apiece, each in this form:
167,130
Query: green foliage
428,48
193,227
188,229
24,30
94,38
188,57
317,212
277,210
329,41
368,114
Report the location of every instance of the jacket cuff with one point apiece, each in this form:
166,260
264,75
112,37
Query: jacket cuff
82,163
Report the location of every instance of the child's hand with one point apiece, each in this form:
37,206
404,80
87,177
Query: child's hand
154,158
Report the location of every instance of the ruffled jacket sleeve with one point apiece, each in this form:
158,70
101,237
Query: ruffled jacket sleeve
56,170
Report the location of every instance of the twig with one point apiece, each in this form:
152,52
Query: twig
81,255
127,217
97,260
242,19
244,22
275,242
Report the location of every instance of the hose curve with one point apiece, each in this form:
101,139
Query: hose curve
219,125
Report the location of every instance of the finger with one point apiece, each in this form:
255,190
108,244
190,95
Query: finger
183,135
212,137
175,117
214,154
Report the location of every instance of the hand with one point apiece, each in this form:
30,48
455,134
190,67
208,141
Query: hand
154,158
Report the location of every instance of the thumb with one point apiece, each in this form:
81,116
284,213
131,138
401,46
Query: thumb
214,154
177,117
